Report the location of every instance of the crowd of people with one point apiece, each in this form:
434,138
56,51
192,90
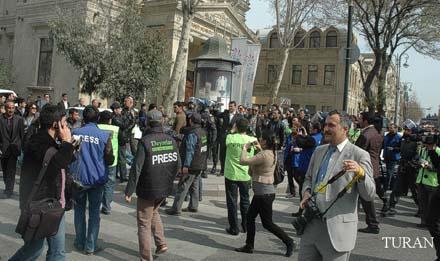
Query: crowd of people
322,154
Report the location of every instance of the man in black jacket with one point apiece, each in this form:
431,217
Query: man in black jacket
124,125
194,150
156,164
11,142
53,127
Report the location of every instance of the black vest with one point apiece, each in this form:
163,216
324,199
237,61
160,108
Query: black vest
160,166
201,150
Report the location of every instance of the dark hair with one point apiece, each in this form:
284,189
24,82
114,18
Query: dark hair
105,117
368,117
233,102
152,106
72,111
50,114
178,104
28,108
64,94
242,125
270,139
90,114
344,118
20,100
316,126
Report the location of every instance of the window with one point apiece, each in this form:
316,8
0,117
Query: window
329,75
45,62
315,40
272,73
274,41
312,75
298,41
326,108
296,74
332,39
311,109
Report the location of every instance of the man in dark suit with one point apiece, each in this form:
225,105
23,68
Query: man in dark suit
229,118
11,137
64,103
371,141
21,108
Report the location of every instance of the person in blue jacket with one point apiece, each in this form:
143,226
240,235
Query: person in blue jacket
90,169
391,153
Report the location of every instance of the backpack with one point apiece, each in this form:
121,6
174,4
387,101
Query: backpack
278,174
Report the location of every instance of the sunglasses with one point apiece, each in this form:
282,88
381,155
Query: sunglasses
33,107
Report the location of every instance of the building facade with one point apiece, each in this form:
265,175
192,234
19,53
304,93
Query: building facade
37,68
314,75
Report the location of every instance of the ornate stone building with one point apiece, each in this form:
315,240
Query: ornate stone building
38,69
314,75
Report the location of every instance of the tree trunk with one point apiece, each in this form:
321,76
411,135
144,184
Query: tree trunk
182,82
381,85
276,88
369,81
170,93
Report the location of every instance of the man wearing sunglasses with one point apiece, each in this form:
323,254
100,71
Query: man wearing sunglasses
11,137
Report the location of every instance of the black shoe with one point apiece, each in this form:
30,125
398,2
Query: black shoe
369,230
172,212
391,212
189,210
245,249
230,232
204,175
290,247
213,170
105,212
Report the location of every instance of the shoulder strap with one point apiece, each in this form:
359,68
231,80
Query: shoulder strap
47,157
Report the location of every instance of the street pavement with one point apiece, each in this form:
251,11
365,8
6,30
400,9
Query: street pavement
201,236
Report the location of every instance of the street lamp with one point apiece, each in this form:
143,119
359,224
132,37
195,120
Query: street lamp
347,54
399,68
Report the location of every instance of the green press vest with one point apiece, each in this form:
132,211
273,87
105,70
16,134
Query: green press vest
114,130
427,177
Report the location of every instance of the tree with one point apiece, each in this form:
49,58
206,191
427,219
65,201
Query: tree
413,108
291,16
5,75
115,56
178,73
389,26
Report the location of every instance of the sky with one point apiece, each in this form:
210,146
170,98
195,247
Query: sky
423,72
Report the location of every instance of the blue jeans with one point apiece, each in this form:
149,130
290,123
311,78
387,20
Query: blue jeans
391,173
32,250
83,240
107,197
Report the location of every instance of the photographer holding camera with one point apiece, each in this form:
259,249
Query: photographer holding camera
331,235
427,180
431,153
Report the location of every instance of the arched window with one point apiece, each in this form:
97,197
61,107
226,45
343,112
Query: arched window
332,39
298,41
274,42
315,40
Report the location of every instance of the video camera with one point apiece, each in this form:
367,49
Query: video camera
310,212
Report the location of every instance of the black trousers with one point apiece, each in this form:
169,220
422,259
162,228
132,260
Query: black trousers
300,176
232,190
121,170
9,167
406,179
433,220
368,206
290,172
214,149
426,194
262,205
